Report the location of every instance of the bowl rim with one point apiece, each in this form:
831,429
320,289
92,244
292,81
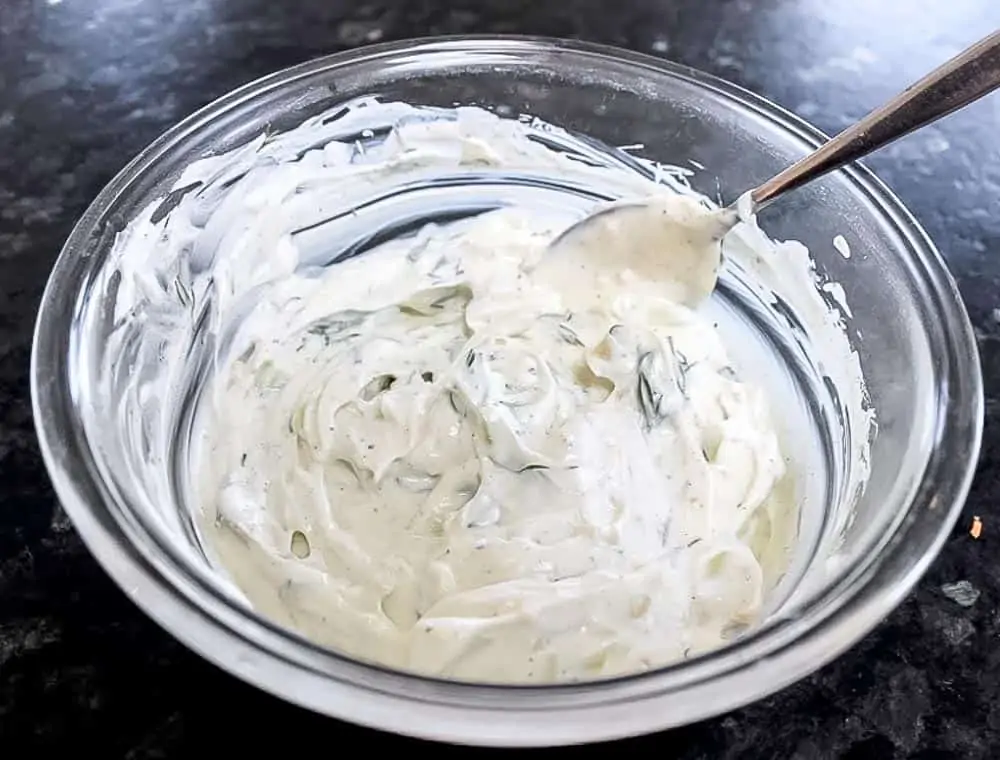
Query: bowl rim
487,714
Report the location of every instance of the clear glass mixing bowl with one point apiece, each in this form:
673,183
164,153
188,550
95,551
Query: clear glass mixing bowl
909,327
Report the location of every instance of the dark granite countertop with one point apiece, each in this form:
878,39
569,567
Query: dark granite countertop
85,85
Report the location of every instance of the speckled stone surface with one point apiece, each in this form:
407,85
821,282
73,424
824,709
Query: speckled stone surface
85,85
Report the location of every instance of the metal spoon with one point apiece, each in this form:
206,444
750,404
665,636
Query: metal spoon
622,235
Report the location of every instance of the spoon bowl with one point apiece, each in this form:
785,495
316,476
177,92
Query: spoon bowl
677,242
671,240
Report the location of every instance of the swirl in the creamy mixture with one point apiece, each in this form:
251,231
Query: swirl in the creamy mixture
435,455
451,472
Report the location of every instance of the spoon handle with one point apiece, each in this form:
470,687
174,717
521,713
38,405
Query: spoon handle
965,78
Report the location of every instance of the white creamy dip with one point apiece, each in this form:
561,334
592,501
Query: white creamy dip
440,455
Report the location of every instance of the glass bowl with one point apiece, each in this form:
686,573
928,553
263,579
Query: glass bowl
909,328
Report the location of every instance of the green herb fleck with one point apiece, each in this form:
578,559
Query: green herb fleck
375,386
650,400
533,467
568,335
